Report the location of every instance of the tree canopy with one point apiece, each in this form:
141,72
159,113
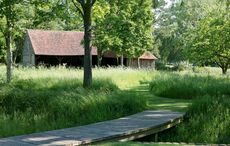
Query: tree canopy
211,41
126,28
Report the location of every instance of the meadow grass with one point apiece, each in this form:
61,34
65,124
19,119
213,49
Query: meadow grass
189,86
208,118
41,99
207,121
124,78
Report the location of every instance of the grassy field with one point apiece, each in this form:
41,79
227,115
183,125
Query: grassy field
45,99
208,118
41,99
178,85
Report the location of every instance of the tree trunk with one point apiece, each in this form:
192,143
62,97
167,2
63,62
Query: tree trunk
224,70
87,45
9,57
129,62
99,58
138,63
122,61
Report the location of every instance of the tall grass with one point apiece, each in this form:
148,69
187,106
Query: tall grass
208,118
42,99
188,86
207,121
124,78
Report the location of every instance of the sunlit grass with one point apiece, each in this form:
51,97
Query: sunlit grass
189,86
123,78
40,99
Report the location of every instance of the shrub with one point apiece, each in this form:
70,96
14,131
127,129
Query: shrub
160,65
181,66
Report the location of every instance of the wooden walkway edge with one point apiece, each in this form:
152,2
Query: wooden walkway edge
126,128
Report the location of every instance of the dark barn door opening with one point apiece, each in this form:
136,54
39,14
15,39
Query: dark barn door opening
106,61
109,61
69,61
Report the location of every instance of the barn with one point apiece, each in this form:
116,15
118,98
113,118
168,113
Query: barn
52,48
146,60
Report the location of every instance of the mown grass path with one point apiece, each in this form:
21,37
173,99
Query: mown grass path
158,103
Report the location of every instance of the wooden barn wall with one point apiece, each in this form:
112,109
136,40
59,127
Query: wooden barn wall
144,63
28,57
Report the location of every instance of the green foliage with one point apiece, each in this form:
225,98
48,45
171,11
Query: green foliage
126,28
2,50
211,41
174,24
207,121
56,15
160,65
174,85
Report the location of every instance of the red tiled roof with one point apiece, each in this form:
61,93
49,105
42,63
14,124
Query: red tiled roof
58,43
148,56
66,43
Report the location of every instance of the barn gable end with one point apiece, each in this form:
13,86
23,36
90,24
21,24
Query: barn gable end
28,53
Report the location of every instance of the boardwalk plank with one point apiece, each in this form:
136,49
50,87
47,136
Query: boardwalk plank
126,128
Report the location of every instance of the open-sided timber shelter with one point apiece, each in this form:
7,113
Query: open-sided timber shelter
66,47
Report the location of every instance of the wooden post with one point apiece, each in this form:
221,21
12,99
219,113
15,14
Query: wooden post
156,137
122,61
59,60
138,63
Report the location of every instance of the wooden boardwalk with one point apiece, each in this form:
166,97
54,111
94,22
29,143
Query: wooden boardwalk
127,128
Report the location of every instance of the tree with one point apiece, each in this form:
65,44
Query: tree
8,12
55,15
126,29
84,7
211,41
174,23
2,49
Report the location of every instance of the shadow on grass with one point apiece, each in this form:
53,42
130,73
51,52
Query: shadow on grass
159,103
28,106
